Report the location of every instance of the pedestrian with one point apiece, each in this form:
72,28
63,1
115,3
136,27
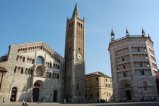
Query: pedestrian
3,99
64,100
12,99
24,103
37,102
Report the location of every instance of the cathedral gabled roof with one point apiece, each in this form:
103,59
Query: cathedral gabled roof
39,43
75,12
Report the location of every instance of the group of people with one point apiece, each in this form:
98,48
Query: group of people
24,103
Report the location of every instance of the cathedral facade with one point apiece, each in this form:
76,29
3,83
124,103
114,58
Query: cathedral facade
36,73
134,67
31,72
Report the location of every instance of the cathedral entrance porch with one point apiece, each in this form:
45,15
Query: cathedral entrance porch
125,90
36,91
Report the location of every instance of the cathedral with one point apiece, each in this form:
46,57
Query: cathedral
34,72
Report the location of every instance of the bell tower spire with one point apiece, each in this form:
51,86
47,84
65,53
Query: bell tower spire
75,12
74,87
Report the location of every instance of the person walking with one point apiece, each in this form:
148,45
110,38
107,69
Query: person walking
24,103
3,99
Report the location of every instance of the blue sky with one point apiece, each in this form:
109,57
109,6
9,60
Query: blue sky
45,20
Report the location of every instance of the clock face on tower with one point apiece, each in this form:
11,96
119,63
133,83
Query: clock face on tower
79,56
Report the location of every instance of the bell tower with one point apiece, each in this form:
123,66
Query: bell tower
74,58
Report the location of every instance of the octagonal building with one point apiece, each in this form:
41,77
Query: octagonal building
134,67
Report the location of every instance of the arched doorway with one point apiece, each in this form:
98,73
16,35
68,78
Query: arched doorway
55,96
13,94
125,90
128,92
36,91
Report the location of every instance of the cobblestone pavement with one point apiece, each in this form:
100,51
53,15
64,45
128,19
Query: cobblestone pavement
93,104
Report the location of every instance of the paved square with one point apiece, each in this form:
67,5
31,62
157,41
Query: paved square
93,104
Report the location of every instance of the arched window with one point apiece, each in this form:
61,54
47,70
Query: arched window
39,60
26,71
57,76
142,72
58,67
23,59
50,65
15,69
122,58
32,61
123,66
141,64
50,75
124,74
77,86
21,70
47,74
138,49
145,85
17,57
31,71
13,94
